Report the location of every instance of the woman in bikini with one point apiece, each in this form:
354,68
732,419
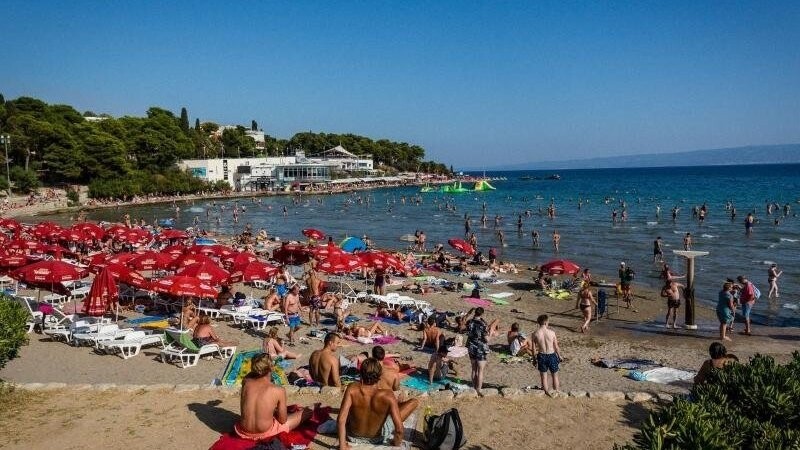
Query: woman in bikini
585,303
273,347
359,331
271,301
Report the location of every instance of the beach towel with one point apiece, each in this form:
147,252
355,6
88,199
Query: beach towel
498,301
347,320
456,351
375,340
501,295
239,366
146,319
504,281
418,381
627,363
158,325
410,426
384,320
478,301
666,375
302,435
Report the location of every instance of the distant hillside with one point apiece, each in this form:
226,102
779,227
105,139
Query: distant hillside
759,154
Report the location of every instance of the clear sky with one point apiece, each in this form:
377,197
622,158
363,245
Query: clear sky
475,83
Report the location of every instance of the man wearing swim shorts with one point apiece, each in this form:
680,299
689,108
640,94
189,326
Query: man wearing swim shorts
548,356
672,292
477,347
291,308
264,411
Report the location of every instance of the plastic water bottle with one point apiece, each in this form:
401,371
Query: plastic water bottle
428,413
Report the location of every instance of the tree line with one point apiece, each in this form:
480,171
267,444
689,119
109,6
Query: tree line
126,156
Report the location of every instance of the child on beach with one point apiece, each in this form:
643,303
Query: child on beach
548,355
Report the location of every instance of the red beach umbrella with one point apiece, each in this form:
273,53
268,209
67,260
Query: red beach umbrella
206,272
172,234
462,246
53,271
239,260
189,259
10,224
13,260
179,285
125,275
216,249
560,266
102,294
90,229
380,260
121,258
326,251
291,254
116,229
342,263
134,236
313,233
253,271
21,244
174,250
150,260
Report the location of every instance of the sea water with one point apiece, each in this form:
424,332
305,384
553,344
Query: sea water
588,235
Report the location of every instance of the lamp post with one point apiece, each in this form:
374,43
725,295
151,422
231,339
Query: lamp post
5,139
690,255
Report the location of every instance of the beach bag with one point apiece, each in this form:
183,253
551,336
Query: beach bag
756,293
444,432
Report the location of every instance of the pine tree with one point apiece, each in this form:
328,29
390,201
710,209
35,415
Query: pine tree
2,99
196,124
254,125
184,119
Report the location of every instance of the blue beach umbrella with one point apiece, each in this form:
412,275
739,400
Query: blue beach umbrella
352,244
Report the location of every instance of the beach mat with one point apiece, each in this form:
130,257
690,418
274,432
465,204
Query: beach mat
501,295
239,366
375,340
146,319
159,325
666,375
410,426
385,320
347,320
418,381
478,301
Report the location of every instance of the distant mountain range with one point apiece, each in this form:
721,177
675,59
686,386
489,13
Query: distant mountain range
758,154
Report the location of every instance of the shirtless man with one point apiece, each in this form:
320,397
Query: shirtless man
314,300
271,301
672,292
548,355
390,378
291,308
687,241
432,336
324,364
440,366
556,240
369,414
263,405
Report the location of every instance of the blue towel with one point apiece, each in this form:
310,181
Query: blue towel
385,320
146,319
419,382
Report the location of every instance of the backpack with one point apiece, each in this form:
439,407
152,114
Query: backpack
444,432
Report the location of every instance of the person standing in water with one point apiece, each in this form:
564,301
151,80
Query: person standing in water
687,241
772,278
556,240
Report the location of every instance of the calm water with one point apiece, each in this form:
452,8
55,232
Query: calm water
587,234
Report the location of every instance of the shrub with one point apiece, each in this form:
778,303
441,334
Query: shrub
25,181
73,197
12,328
754,405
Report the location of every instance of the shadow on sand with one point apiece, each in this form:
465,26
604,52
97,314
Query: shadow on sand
218,419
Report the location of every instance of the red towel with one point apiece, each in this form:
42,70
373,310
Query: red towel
302,435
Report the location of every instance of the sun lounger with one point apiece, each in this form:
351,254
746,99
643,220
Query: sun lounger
182,348
260,321
103,333
131,344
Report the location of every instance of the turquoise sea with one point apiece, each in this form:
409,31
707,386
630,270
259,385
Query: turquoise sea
588,235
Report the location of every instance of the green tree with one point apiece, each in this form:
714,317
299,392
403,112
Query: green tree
25,181
184,120
12,328
254,125
197,124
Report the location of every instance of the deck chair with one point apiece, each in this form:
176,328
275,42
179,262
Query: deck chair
67,329
260,321
182,348
105,332
131,343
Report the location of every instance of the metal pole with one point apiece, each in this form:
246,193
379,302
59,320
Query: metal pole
689,294
5,139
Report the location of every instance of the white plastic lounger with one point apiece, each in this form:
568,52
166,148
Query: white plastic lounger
131,344
263,320
104,333
183,349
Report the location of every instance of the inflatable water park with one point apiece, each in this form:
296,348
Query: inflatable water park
456,187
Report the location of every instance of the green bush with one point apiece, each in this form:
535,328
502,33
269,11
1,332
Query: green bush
73,197
748,406
25,181
12,328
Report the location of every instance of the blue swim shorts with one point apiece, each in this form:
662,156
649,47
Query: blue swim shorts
281,290
747,307
547,362
294,321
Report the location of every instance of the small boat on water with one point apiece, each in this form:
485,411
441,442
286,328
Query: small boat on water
554,176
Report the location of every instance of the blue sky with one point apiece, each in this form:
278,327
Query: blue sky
475,83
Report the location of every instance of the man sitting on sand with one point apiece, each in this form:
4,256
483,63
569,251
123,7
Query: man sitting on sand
548,355
432,335
518,343
440,366
264,412
324,363
370,415
390,375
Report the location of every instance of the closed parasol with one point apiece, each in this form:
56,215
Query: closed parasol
102,294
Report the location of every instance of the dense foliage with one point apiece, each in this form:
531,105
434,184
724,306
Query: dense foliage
747,406
56,144
12,328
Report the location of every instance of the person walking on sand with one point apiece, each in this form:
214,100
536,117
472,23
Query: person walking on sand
478,347
772,278
747,298
724,310
672,292
291,309
548,355
585,303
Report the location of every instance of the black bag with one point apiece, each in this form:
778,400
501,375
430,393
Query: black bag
445,432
